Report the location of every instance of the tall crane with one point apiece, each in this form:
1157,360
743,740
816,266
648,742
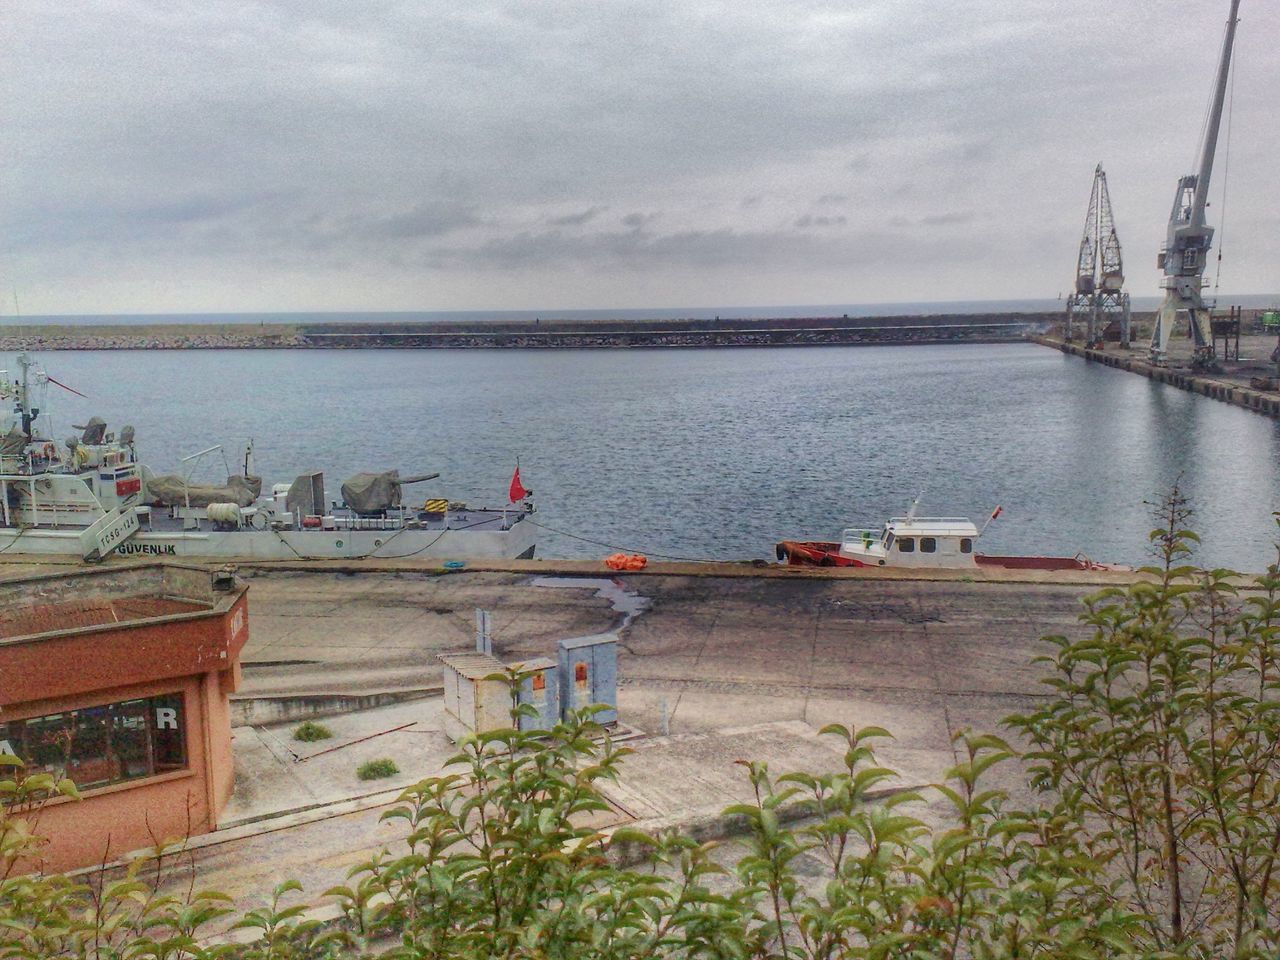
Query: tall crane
1099,295
1187,243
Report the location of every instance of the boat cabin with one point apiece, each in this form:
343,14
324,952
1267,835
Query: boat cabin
913,542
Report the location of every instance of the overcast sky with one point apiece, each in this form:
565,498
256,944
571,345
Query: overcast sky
326,155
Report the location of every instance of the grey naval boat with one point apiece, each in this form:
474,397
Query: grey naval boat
90,497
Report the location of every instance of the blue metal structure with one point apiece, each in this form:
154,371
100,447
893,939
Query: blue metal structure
541,689
589,675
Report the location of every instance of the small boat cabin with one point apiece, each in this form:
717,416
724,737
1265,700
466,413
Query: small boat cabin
913,542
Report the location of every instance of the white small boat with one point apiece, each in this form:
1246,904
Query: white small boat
918,542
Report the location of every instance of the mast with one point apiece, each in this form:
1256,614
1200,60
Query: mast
28,412
1189,237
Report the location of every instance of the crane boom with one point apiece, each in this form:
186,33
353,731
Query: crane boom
1210,145
1189,237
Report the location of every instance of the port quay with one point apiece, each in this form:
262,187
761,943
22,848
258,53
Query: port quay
1246,380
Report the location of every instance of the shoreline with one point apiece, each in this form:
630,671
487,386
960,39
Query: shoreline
1232,385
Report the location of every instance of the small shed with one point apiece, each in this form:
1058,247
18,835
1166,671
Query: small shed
477,704
540,689
589,675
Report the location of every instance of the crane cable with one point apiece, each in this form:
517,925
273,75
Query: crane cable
1226,173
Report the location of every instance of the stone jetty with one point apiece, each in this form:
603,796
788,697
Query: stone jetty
532,334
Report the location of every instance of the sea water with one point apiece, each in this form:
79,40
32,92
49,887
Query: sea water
719,453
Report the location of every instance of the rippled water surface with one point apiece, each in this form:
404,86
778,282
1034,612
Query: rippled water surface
719,453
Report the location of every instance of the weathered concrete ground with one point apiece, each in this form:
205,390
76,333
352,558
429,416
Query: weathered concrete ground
740,668
923,659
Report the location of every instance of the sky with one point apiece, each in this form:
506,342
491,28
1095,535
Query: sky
325,155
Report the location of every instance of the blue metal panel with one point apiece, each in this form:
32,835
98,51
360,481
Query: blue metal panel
589,675
541,689
604,679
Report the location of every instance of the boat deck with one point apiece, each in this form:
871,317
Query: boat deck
159,520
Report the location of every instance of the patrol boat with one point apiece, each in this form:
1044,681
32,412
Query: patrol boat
90,497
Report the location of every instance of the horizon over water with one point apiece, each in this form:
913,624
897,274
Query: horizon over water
921,307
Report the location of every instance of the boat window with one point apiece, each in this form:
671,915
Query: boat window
888,541
928,545
966,545
906,544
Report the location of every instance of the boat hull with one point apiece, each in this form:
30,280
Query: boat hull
517,542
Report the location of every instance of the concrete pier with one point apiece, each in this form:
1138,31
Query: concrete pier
546,334
1231,386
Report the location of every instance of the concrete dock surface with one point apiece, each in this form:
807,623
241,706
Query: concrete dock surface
734,668
744,665
1232,383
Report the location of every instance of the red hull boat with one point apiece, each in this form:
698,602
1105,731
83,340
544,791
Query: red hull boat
820,553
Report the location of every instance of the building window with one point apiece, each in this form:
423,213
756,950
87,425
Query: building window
906,544
966,545
97,746
928,545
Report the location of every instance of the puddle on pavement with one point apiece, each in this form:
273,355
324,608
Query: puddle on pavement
622,600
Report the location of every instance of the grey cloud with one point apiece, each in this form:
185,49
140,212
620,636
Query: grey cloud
637,221
947,219
427,219
809,220
577,219
187,144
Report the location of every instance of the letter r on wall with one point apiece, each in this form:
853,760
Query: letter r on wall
166,718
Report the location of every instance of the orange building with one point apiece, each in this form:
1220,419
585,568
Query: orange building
118,678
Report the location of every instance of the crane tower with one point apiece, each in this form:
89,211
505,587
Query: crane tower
1186,250
1099,295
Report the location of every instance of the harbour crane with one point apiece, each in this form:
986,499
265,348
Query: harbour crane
1186,250
1099,295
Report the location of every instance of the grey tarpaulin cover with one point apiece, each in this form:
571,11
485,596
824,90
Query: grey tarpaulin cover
375,492
173,491
94,431
13,443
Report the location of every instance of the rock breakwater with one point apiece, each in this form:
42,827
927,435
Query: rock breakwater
531,335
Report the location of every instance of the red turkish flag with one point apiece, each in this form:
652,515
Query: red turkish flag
518,492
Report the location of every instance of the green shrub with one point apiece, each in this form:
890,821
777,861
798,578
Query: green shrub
309,732
377,769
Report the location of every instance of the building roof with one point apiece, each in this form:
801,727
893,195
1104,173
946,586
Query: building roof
933,527
39,618
56,603
473,666
72,633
